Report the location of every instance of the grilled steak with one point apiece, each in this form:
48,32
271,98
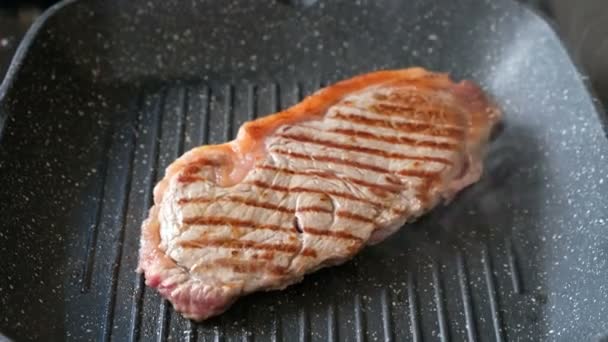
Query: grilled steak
310,186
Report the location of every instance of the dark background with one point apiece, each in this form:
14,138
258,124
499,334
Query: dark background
583,25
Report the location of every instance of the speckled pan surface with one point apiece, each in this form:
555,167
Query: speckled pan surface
105,94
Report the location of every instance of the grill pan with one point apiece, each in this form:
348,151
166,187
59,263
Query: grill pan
103,95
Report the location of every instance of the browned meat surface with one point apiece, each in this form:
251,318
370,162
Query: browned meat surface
310,186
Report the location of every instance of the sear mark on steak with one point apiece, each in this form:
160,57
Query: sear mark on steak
310,186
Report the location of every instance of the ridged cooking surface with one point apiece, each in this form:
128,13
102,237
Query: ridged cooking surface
408,301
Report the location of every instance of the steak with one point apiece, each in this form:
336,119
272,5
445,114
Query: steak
310,186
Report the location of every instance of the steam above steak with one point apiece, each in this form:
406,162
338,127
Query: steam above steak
310,186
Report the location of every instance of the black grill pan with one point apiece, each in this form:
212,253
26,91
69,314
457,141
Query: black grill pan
103,95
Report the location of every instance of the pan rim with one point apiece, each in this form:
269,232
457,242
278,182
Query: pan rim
33,31
22,51
582,73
